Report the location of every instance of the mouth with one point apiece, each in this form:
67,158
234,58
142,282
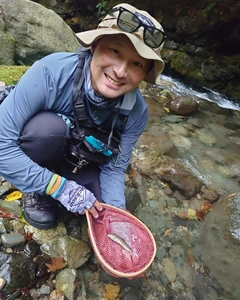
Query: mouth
111,80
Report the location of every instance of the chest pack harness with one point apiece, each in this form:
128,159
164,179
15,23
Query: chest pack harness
97,132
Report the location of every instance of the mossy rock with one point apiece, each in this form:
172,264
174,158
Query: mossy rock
11,74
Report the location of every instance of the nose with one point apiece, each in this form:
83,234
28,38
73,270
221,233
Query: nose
121,69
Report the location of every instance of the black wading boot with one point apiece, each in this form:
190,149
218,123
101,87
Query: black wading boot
39,211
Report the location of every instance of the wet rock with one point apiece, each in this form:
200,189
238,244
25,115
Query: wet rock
228,172
134,283
211,73
133,199
216,155
196,122
74,228
42,236
45,289
35,293
18,270
206,137
170,171
2,227
182,106
214,108
209,194
17,226
184,182
169,269
2,179
68,281
42,270
31,248
57,295
4,187
132,294
12,207
155,110
220,243
179,140
180,129
219,128
153,219
159,141
174,119
12,240
234,206
75,252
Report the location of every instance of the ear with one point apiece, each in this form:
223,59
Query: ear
93,46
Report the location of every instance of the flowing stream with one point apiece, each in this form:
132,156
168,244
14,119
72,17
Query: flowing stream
213,154
207,143
181,89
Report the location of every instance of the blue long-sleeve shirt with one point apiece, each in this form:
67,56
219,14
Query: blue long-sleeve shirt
48,85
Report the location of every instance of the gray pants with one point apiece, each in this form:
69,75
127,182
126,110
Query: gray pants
44,139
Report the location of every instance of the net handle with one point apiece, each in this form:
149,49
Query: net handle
98,254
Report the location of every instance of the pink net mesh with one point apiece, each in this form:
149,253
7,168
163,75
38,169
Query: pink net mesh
133,248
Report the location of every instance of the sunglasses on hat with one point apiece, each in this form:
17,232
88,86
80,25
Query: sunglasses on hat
130,22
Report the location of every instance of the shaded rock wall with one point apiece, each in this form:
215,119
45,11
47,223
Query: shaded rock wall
204,44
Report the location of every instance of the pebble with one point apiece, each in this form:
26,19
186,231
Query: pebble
12,240
5,187
2,283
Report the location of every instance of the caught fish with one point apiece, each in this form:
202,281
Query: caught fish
117,239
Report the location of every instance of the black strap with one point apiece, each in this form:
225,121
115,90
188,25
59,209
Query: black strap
79,110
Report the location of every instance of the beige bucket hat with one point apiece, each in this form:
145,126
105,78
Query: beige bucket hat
109,26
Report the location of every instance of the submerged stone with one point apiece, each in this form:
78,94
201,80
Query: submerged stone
234,205
67,280
18,270
75,252
220,244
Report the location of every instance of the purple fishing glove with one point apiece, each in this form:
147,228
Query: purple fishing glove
76,198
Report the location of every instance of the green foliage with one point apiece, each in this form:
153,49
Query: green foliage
103,7
210,6
11,74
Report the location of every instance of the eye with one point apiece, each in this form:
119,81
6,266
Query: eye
138,64
115,51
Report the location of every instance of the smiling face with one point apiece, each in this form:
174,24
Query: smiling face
116,67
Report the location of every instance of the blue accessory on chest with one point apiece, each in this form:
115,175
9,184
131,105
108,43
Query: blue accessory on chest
98,145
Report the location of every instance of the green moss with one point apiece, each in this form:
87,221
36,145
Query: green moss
165,93
210,6
11,74
9,38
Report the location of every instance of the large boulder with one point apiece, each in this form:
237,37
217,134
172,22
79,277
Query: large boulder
36,31
7,46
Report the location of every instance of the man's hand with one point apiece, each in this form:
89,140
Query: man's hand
97,206
76,198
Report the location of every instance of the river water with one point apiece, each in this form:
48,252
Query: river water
214,160
210,149
181,89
